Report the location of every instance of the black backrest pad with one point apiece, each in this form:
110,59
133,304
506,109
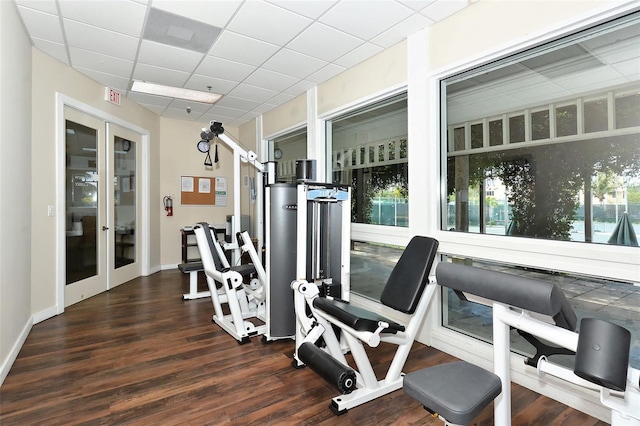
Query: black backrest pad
410,275
525,293
214,252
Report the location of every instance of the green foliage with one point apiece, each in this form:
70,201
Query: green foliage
374,181
543,182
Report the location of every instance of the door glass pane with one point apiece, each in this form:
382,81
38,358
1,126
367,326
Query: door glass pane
124,199
81,202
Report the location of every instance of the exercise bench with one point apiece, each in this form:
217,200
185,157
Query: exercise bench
192,268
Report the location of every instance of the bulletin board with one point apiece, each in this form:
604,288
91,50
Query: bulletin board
200,190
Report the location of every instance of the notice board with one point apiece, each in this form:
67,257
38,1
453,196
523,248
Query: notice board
201,190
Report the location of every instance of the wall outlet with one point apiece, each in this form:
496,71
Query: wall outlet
50,211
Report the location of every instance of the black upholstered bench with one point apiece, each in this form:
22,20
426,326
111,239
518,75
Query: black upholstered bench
456,391
192,268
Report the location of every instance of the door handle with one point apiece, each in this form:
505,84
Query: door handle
104,228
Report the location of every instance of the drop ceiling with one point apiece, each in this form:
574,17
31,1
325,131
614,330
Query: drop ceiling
257,54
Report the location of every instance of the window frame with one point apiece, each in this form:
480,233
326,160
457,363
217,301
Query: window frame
616,262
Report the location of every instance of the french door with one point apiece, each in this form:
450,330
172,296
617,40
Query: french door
102,247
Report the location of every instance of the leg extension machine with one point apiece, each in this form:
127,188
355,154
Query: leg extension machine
406,291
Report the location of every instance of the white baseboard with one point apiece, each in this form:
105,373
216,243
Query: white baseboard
155,269
169,266
51,312
7,363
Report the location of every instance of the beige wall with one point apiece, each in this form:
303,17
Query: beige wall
50,76
384,71
15,186
290,114
180,157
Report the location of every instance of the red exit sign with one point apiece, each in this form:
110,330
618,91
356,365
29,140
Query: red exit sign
112,95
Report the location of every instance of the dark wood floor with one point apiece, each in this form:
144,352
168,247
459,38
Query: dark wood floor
138,354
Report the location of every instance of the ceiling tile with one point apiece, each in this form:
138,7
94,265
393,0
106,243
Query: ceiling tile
252,93
594,79
239,48
182,114
304,65
224,69
365,19
159,101
109,80
358,55
57,50
155,109
325,73
215,13
99,13
99,62
218,85
267,22
237,103
397,33
99,40
630,69
311,8
218,110
197,108
48,6
42,25
417,4
323,42
159,75
439,10
271,80
161,55
300,87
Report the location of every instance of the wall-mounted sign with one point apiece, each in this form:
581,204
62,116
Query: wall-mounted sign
112,95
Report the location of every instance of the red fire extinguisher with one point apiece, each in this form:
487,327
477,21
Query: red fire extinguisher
168,204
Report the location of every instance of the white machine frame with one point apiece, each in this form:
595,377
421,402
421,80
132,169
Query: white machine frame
625,407
368,385
245,301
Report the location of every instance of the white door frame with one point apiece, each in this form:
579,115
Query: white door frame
144,227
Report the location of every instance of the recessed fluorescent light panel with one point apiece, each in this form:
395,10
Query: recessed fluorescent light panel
175,92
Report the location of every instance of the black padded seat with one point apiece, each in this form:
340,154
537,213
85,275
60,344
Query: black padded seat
356,318
457,391
190,267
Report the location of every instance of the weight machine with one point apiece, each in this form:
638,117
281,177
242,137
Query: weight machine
539,311
307,235
322,348
241,288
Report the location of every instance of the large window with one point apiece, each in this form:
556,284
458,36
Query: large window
367,149
546,144
369,152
